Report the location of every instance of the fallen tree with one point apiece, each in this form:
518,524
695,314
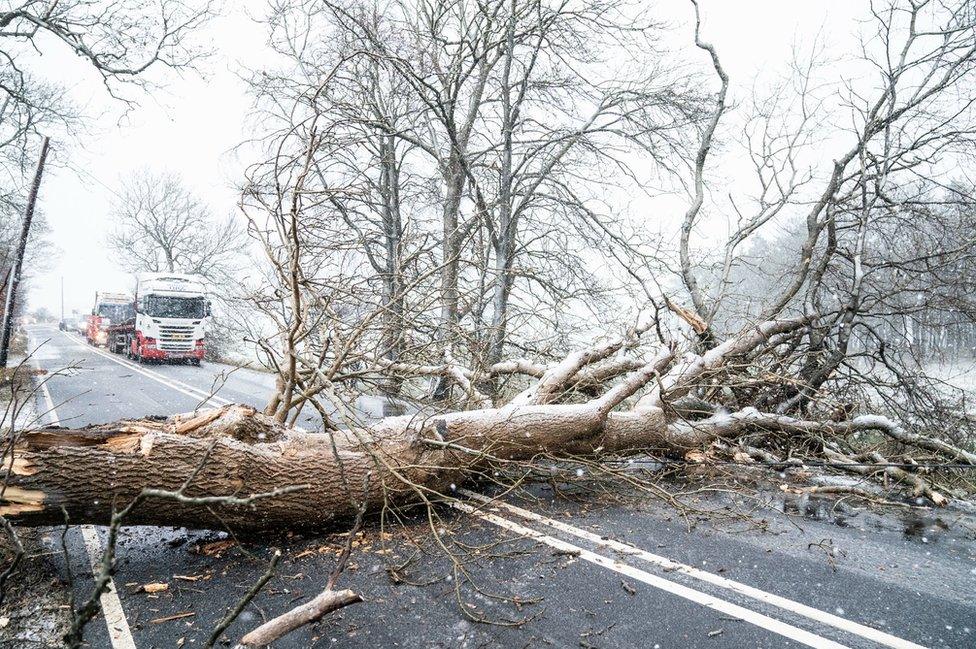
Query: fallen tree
235,467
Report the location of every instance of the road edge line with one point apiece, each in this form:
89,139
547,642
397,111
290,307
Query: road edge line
119,633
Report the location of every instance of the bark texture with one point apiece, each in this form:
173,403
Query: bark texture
236,451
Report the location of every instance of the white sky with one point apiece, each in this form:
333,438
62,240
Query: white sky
192,125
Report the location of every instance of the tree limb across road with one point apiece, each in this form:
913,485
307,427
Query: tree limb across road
254,473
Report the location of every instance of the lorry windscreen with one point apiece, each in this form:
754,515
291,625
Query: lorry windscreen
115,312
161,306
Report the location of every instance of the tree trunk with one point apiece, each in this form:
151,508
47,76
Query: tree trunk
507,237
394,305
236,451
447,327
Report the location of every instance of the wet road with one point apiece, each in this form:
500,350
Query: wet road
552,572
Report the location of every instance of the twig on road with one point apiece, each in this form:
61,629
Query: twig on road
244,601
325,602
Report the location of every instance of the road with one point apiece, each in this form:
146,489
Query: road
546,570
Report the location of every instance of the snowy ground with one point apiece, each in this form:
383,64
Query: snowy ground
960,374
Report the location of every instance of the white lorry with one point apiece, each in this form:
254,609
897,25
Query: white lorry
170,321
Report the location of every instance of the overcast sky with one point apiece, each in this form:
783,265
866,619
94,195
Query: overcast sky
192,124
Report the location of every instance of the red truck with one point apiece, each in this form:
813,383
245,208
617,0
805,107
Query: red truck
110,309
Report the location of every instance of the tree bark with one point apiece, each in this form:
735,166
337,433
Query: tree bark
236,451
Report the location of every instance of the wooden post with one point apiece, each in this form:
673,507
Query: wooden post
10,304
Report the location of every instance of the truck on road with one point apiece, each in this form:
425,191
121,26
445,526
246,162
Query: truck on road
169,317
110,309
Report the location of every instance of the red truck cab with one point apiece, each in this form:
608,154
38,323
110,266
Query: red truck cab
110,309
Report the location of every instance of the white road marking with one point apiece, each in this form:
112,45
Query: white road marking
809,612
52,414
174,384
728,608
118,627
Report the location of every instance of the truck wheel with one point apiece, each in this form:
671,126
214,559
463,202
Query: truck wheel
195,361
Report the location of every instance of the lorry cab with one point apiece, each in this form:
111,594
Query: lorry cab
110,309
171,314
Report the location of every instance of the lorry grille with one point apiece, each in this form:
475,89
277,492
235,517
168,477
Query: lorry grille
175,338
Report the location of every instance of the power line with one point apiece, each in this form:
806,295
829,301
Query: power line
92,177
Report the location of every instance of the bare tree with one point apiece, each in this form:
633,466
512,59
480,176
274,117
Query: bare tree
414,130
389,221
162,226
864,227
124,42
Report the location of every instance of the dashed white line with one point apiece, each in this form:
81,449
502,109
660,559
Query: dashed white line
758,619
118,627
783,603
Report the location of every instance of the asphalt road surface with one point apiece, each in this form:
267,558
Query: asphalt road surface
543,571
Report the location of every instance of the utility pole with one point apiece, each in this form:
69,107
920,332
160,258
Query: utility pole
11,302
61,321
